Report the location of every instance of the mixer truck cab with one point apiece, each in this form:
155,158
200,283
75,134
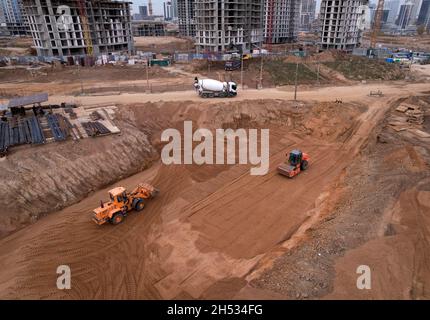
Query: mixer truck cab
210,88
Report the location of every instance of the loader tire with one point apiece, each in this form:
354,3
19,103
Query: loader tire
117,218
304,165
139,205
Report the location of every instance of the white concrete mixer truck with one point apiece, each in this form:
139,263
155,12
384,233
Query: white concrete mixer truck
209,88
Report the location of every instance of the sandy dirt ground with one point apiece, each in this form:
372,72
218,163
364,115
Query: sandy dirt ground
206,226
216,231
142,41
408,42
163,44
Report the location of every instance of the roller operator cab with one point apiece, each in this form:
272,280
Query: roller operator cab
297,161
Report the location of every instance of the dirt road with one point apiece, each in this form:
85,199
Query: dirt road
346,93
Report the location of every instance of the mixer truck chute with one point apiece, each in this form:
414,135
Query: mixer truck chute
209,88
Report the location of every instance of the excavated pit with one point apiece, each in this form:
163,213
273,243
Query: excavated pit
210,222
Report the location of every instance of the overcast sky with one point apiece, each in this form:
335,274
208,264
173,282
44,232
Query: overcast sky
157,6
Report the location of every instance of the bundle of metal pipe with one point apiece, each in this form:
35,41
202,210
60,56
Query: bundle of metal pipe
95,128
54,123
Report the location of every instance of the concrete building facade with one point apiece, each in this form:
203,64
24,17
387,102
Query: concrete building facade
339,21
174,9
13,17
149,28
307,14
393,7
185,9
416,5
365,20
405,15
143,11
222,24
167,10
65,27
424,14
281,20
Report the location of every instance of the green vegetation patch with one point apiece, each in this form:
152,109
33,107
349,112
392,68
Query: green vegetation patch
361,68
284,73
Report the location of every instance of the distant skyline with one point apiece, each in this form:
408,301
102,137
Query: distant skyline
157,6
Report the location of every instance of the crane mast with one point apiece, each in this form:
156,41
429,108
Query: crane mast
377,23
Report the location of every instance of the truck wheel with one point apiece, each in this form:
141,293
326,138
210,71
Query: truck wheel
304,165
139,205
117,218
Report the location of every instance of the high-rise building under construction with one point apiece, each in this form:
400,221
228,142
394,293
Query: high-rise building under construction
185,11
339,21
281,20
77,27
225,24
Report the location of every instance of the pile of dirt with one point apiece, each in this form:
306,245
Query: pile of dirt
16,46
163,45
324,56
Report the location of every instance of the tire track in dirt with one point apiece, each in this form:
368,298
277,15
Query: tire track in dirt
186,240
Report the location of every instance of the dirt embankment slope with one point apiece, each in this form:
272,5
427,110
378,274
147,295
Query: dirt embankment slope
41,179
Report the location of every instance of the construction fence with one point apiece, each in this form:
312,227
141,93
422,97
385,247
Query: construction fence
187,57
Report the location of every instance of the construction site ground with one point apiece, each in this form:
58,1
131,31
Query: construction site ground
415,42
215,231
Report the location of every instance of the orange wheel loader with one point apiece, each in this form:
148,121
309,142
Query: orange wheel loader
297,161
122,202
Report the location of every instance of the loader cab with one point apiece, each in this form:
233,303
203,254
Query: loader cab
118,195
295,157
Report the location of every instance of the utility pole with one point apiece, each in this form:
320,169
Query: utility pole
261,70
295,81
147,74
318,72
241,70
80,77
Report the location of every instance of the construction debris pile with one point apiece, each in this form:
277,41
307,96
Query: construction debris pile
413,112
409,118
39,124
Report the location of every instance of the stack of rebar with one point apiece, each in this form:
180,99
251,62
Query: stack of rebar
58,126
19,131
95,128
